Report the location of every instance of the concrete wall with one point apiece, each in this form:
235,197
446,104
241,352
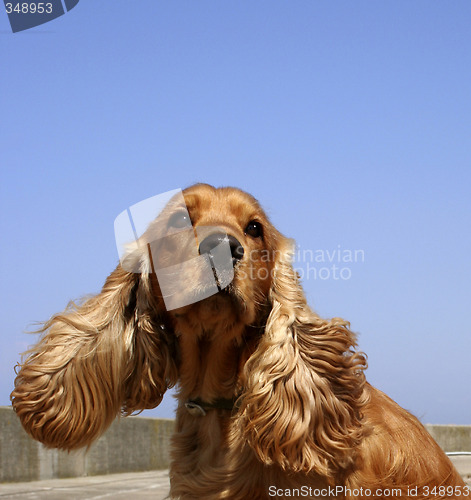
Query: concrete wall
130,444
451,437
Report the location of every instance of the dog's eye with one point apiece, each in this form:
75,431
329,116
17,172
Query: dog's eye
254,229
179,220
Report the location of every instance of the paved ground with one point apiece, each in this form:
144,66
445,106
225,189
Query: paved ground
140,485
463,465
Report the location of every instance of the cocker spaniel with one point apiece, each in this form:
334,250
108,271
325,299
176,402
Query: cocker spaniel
273,401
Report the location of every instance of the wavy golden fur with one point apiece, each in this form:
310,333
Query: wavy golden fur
303,414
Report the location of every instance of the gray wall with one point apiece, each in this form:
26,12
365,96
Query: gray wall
131,444
451,437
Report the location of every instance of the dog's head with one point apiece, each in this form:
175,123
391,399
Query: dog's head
212,252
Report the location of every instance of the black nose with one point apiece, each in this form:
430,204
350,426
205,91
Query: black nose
213,240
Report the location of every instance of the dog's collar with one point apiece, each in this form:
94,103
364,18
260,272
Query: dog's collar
198,408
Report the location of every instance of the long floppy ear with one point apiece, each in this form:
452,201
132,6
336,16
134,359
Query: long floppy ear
109,354
303,397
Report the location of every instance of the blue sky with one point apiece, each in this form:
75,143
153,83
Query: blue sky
349,121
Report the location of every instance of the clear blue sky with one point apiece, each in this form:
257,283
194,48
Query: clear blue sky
349,120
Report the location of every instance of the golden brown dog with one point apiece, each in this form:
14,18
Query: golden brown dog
273,401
